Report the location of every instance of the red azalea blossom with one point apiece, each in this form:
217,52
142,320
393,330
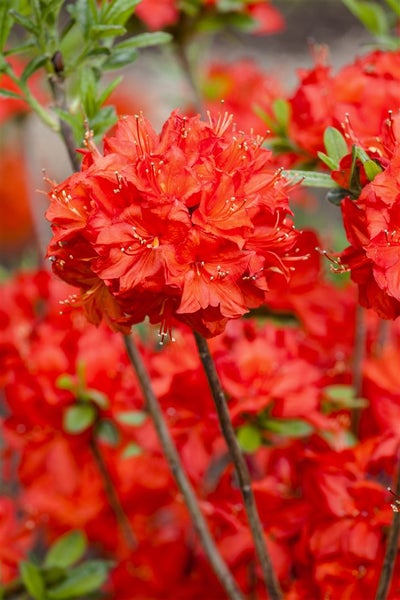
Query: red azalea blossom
190,224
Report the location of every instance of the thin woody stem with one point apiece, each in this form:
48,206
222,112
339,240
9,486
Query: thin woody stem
391,552
242,471
215,559
112,496
358,359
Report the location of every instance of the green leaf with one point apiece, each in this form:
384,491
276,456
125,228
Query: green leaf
65,382
85,15
32,66
335,144
120,58
371,15
106,93
81,580
107,432
131,450
372,169
296,428
79,417
282,111
67,550
6,23
330,162
119,11
341,396
394,5
100,31
33,580
249,438
132,417
145,39
337,195
105,118
25,22
310,178
10,94
88,91
95,396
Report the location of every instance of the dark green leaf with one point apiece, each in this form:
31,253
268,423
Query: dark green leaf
107,432
249,438
79,417
143,40
296,428
32,66
132,417
66,551
81,580
337,195
335,144
85,15
33,580
120,58
105,118
394,5
95,396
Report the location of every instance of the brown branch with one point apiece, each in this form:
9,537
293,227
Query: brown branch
216,561
392,546
241,469
112,496
358,359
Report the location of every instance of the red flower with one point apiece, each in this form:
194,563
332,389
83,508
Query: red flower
187,224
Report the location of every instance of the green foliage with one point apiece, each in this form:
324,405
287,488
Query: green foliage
341,397
80,580
132,417
67,550
249,437
378,21
79,417
310,178
87,45
33,580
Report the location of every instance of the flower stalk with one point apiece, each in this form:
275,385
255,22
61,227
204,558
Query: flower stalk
241,469
215,559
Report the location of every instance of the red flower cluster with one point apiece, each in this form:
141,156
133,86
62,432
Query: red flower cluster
191,224
362,92
372,224
158,14
320,492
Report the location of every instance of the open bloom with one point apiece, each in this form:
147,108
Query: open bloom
191,224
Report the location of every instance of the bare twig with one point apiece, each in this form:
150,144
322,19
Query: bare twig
391,552
216,561
112,496
242,471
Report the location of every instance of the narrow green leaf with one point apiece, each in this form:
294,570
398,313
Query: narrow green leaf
5,23
79,417
106,93
81,580
249,438
120,58
32,66
10,94
65,382
132,417
310,178
100,31
119,11
33,580
67,550
95,396
296,428
25,22
88,91
335,144
143,40
394,5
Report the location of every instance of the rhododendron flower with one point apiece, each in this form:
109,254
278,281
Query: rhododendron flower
362,92
243,87
372,224
192,224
